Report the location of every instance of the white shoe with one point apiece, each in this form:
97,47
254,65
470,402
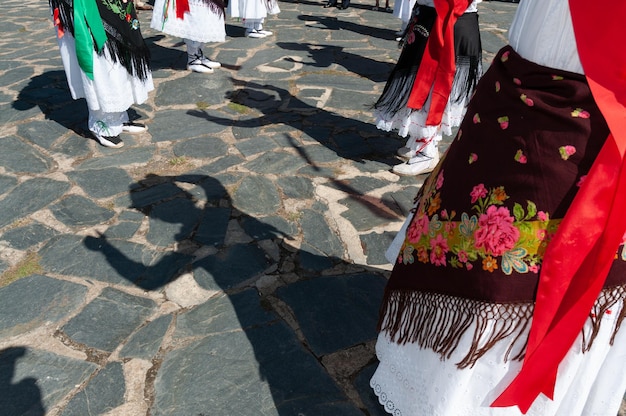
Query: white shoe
253,33
207,62
196,65
405,152
109,141
265,32
417,165
132,127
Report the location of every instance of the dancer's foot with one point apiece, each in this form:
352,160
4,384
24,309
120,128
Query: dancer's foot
417,165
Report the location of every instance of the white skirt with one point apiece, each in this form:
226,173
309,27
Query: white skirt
201,24
252,9
112,89
412,123
411,381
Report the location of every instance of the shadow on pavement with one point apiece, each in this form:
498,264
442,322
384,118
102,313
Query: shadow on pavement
17,396
236,353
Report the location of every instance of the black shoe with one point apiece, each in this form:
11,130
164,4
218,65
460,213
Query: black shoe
109,141
327,5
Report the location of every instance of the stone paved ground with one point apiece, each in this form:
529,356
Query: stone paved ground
227,262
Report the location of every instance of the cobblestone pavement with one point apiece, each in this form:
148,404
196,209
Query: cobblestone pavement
227,262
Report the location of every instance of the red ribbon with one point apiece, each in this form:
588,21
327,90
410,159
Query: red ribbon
437,67
182,7
580,255
57,23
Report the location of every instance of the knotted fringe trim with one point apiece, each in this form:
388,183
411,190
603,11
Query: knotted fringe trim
469,69
438,322
217,7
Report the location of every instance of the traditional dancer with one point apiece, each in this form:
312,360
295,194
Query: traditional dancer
253,14
196,22
106,62
507,295
406,102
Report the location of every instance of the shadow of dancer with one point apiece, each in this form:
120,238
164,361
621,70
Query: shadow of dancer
349,138
326,55
22,397
238,351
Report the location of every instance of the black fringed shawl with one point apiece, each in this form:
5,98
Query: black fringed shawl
124,40
474,248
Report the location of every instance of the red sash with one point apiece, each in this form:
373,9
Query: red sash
580,255
437,67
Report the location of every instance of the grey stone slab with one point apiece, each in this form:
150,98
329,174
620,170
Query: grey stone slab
77,211
74,146
315,154
7,183
38,380
145,197
121,157
219,165
16,75
227,270
255,146
211,189
375,245
401,201
213,226
147,341
123,230
20,157
172,221
296,187
191,89
318,171
318,234
102,183
257,195
166,127
272,373
104,392
110,261
365,213
359,185
109,319
201,148
4,266
42,133
336,312
41,300
28,197
223,314
276,162
269,227
340,81
312,259
23,238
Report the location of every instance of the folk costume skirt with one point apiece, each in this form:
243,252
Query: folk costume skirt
203,23
458,306
391,109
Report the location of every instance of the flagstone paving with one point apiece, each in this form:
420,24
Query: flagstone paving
229,261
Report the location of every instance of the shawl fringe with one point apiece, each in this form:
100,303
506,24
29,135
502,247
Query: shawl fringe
438,322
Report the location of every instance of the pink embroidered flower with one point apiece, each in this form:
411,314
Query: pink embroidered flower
462,256
505,56
469,266
542,216
581,180
504,122
479,191
497,86
449,227
444,214
476,118
439,180
473,157
579,112
534,268
439,248
566,151
520,157
495,232
418,227
541,235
